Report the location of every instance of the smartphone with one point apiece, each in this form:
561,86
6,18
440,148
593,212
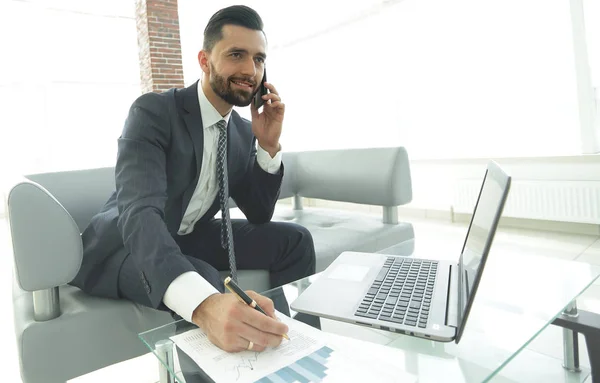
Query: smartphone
262,90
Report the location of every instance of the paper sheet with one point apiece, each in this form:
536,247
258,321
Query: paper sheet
327,365
370,357
246,366
309,356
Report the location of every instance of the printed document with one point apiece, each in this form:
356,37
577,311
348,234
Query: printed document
306,357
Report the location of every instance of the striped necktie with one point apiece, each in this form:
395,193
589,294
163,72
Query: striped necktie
226,232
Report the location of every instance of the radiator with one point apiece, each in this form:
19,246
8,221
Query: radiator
566,201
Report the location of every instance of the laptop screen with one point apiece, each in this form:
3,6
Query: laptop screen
484,221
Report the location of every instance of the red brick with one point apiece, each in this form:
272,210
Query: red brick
157,22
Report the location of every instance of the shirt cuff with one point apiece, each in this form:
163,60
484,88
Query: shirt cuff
268,164
186,292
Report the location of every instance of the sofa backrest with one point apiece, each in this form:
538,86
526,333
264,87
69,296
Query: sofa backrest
81,192
373,176
288,185
47,213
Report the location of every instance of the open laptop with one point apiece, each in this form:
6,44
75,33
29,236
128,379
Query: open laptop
422,297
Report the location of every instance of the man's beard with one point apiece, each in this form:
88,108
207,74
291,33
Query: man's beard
222,87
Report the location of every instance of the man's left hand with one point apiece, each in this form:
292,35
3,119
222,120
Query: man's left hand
266,126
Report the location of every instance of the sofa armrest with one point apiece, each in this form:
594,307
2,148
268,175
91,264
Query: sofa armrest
46,240
288,185
375,176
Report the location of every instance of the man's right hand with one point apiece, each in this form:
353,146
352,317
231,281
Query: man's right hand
231,325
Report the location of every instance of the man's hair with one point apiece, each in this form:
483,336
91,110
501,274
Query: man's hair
240,15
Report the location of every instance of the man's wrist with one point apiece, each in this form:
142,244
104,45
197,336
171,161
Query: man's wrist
197,316
271,149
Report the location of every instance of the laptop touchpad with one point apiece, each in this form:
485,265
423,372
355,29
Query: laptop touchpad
348,272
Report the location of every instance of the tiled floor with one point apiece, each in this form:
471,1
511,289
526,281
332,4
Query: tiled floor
539,362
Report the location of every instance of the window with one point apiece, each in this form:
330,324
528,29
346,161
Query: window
462,78
585,19
67,84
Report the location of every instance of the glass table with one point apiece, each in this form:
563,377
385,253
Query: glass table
519,295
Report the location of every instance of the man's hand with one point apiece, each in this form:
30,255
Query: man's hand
266,126
231,325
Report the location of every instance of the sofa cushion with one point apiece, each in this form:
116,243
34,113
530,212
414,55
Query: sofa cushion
335,231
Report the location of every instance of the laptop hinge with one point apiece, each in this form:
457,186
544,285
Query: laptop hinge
452,306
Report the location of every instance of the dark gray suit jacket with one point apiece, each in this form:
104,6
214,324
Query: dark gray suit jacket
158,166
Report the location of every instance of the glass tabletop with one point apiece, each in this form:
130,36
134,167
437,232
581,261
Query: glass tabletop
519,295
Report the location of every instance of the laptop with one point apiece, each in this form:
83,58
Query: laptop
422,297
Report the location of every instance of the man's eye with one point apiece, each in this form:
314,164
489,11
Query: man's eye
260,60
236,55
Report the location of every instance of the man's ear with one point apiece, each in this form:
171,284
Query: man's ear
203,61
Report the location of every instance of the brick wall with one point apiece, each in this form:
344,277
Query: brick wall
159,45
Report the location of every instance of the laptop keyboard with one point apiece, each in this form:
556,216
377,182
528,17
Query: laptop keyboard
401,292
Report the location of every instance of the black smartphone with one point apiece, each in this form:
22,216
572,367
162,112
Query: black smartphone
262,90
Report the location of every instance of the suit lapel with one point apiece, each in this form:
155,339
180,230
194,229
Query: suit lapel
193,123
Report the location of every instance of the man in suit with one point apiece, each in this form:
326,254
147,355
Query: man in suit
156,241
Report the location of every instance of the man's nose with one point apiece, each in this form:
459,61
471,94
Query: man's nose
249,68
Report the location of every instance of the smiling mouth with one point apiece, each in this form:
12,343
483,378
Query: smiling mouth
244,84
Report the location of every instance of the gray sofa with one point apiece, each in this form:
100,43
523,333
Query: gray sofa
63,333
378,177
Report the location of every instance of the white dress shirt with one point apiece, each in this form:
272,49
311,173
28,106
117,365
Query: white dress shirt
188,290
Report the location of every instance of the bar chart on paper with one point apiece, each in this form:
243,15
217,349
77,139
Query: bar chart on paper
308,357
325,366
311,368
